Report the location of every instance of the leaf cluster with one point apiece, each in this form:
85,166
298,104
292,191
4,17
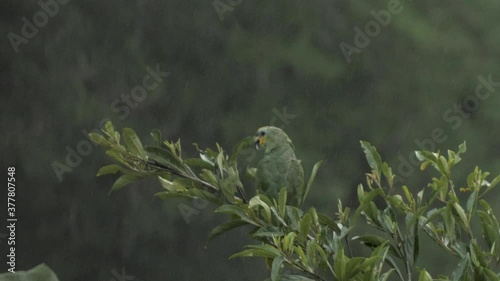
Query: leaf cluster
299,244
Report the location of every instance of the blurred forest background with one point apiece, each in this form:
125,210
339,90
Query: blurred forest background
233,66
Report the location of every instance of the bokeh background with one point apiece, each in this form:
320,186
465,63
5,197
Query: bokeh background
233,67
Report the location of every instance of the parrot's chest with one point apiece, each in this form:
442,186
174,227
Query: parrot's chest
276,164
274,170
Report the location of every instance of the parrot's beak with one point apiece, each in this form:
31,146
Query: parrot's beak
260,141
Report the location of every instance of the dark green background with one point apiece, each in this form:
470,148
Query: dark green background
227,78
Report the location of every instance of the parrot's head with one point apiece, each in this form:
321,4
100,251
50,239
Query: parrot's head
272,138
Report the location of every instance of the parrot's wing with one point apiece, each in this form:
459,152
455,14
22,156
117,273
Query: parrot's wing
278,170
295,182
263,175
271,175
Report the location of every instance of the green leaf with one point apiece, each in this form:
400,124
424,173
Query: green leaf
303,259
186,183
461,269
174,147
370,196
424,276
237,211
461,215
294,215
386,275
282,198
326,220
165,158
224,228
111,169
268,231
126,180
490,227
420,195
305,226
490,274
311,254
386,221
409,196
189,194
314,216
372,213
374,241
265,251
109,128
452,158
426,155
228,184
208,159
390,261
169,194
133,143
443,166
449,222
289,277
462,148
311,180
256,201
425,164
339,265
389,176
288,241
373,158
208,175
251,173
116,155
367,262
198,163
366,202
276,268
411,245
232,210
380,252
358,264
477,255
171,186
156,134
220,162
99,139
491,185
203,194
397,201
472,203
37,273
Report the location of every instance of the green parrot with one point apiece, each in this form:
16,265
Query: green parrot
279,167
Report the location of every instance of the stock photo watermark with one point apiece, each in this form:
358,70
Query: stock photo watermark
121,106
11,219
454,117
372,29
225,6
279,119
123,276
30,28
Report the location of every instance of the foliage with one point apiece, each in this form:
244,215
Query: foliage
308,245
227,78
37,273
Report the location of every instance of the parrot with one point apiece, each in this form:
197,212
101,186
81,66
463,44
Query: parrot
279,166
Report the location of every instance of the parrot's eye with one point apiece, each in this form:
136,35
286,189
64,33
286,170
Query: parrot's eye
262,133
